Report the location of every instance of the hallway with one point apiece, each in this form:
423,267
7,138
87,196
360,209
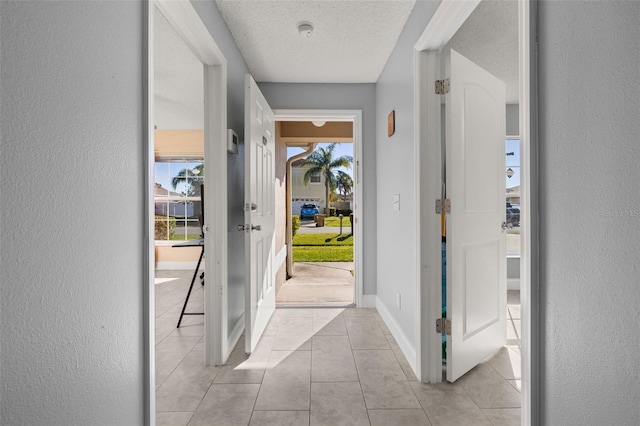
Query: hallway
315,367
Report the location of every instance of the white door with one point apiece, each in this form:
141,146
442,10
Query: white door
259,135
475,182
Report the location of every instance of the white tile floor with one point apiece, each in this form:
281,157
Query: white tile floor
317,367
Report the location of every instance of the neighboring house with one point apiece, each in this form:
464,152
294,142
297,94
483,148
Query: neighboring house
301,192
165,206
513,195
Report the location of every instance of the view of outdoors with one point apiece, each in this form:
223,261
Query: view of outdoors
323,235
512,174
177,199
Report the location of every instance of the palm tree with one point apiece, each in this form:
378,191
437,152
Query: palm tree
321,162
344,184
192,177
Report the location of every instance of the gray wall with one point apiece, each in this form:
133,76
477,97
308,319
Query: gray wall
71,262
589,212
342,96
396,258
236,70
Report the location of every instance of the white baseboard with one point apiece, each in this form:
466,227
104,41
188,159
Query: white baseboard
172,266
234,336
513,283
408,349
368,301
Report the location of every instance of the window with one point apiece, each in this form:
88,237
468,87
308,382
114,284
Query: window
512,176
315,178
177,199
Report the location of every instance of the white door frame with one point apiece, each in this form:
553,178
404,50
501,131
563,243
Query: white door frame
354,116
448,18
187,23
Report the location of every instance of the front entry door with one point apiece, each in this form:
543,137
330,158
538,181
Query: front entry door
259,134
476,257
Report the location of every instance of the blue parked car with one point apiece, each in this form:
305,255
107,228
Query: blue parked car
309,210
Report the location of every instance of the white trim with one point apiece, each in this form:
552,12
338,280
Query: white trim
215,207
148,261
428,186
402,340
354,116
186,21
529,266
449,17
280,259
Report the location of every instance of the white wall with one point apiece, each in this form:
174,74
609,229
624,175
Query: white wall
589,212
396,174
71,262
236,70
342,96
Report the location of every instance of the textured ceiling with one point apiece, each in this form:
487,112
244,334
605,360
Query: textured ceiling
351,41
489,37
347,46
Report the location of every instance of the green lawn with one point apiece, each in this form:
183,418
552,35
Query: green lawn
345,239
323,248
335,221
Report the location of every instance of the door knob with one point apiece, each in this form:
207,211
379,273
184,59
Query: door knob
240,227
256,227
506,226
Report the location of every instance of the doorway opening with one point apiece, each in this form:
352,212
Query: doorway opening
180,140
319,162
518,219
320,192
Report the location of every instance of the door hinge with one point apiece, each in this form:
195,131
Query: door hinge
443,206
443,326
442,86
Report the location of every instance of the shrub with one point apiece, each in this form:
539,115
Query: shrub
295,224
343,212
162,225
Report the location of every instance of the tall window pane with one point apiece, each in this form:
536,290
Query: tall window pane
177,199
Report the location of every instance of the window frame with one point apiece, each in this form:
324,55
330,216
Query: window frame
169,198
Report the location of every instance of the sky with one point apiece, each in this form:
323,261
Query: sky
340,150
513,162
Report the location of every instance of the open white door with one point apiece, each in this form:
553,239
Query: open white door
476,258
259,135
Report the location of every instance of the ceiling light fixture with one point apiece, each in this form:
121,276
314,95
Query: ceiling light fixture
319,123
305,29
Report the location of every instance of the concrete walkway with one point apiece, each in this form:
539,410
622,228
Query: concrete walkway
318,284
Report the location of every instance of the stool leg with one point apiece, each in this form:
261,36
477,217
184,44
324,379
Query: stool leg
195,274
